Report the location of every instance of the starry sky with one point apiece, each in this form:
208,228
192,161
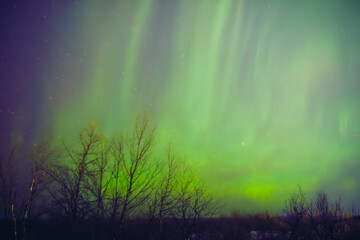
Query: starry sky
261,96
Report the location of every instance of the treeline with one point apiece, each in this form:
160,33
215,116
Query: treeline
102,187
99,180
302,218
319,218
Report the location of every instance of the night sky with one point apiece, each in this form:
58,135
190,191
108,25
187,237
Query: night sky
261,96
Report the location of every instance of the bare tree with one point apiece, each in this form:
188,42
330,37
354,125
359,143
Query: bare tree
7,183
70,192
316,218
330,222
99,176
296,208
116,180
138,169
8,188
98,181
41,154
163,199
192,202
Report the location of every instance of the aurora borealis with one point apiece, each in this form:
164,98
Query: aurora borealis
261,96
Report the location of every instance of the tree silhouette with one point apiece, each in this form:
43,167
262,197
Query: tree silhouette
296,208
70,192
116,180
330,222
7,182
9,203
138,169
192,202
41,155
98,173
163,200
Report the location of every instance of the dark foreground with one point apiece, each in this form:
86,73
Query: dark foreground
260,226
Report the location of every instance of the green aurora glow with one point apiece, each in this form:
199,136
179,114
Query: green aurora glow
260,95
